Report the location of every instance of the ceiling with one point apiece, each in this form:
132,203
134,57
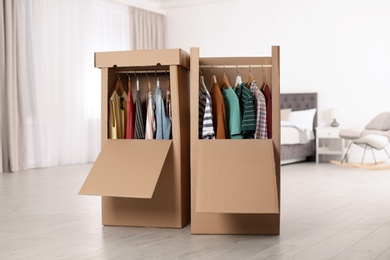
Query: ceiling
175,3
162,5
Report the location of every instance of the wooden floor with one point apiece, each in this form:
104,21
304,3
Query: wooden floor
328,212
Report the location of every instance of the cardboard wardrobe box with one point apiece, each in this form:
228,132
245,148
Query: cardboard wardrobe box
235,184
144,182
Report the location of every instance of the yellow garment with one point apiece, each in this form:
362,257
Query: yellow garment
117,116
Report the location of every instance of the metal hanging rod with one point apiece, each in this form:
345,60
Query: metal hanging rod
234,66
142,71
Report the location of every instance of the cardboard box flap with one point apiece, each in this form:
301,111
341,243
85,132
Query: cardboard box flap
127,168
231,182
142,58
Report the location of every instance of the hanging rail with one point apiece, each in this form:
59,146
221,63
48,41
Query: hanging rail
142,71
234,66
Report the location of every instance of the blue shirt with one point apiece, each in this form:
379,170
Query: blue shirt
163,123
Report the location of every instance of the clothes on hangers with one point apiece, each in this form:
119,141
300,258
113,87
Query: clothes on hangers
118,115
248,122
163,123
130,116
150,127
139,132
233,114
218,112
268,100
261,112
206,127
168,104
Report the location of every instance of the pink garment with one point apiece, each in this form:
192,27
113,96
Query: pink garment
130,116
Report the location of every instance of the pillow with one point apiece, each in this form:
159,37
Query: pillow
304,117
285,114
349,134
380,122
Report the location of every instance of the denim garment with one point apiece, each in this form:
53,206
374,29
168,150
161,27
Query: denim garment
163,122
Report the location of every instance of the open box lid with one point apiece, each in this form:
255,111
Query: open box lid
231,182
142,58
127,168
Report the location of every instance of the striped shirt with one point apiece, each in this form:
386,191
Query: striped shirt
206,128
248,123
261,112
139,132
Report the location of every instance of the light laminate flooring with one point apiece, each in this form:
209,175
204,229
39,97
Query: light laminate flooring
327,212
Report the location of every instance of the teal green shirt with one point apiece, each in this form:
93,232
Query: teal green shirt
248,123
233,114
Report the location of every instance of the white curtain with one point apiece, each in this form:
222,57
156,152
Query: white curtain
12,89
50,90
63,87
149,30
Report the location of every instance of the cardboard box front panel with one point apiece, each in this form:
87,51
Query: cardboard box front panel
215,208
236,176
161,210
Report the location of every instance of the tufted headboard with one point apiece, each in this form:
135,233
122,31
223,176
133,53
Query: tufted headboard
300,101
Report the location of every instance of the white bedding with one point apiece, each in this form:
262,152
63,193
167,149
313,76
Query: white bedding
295,133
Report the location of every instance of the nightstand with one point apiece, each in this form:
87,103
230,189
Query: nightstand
328,142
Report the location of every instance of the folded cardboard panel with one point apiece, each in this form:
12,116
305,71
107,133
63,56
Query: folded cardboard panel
127,168
236,176
162,210
141,58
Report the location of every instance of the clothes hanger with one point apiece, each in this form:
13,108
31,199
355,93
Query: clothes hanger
168,83
128,83
158,80
264,77
137,82
119,86
214,81
238,79
250,78
213,78
202,84
225,80
148,80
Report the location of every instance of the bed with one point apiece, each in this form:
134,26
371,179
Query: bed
298,119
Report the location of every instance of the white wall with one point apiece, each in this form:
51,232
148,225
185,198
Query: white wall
340,49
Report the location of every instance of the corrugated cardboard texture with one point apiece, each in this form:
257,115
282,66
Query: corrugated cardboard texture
218,204
141,58
162,210
127,168
236,176
165,163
